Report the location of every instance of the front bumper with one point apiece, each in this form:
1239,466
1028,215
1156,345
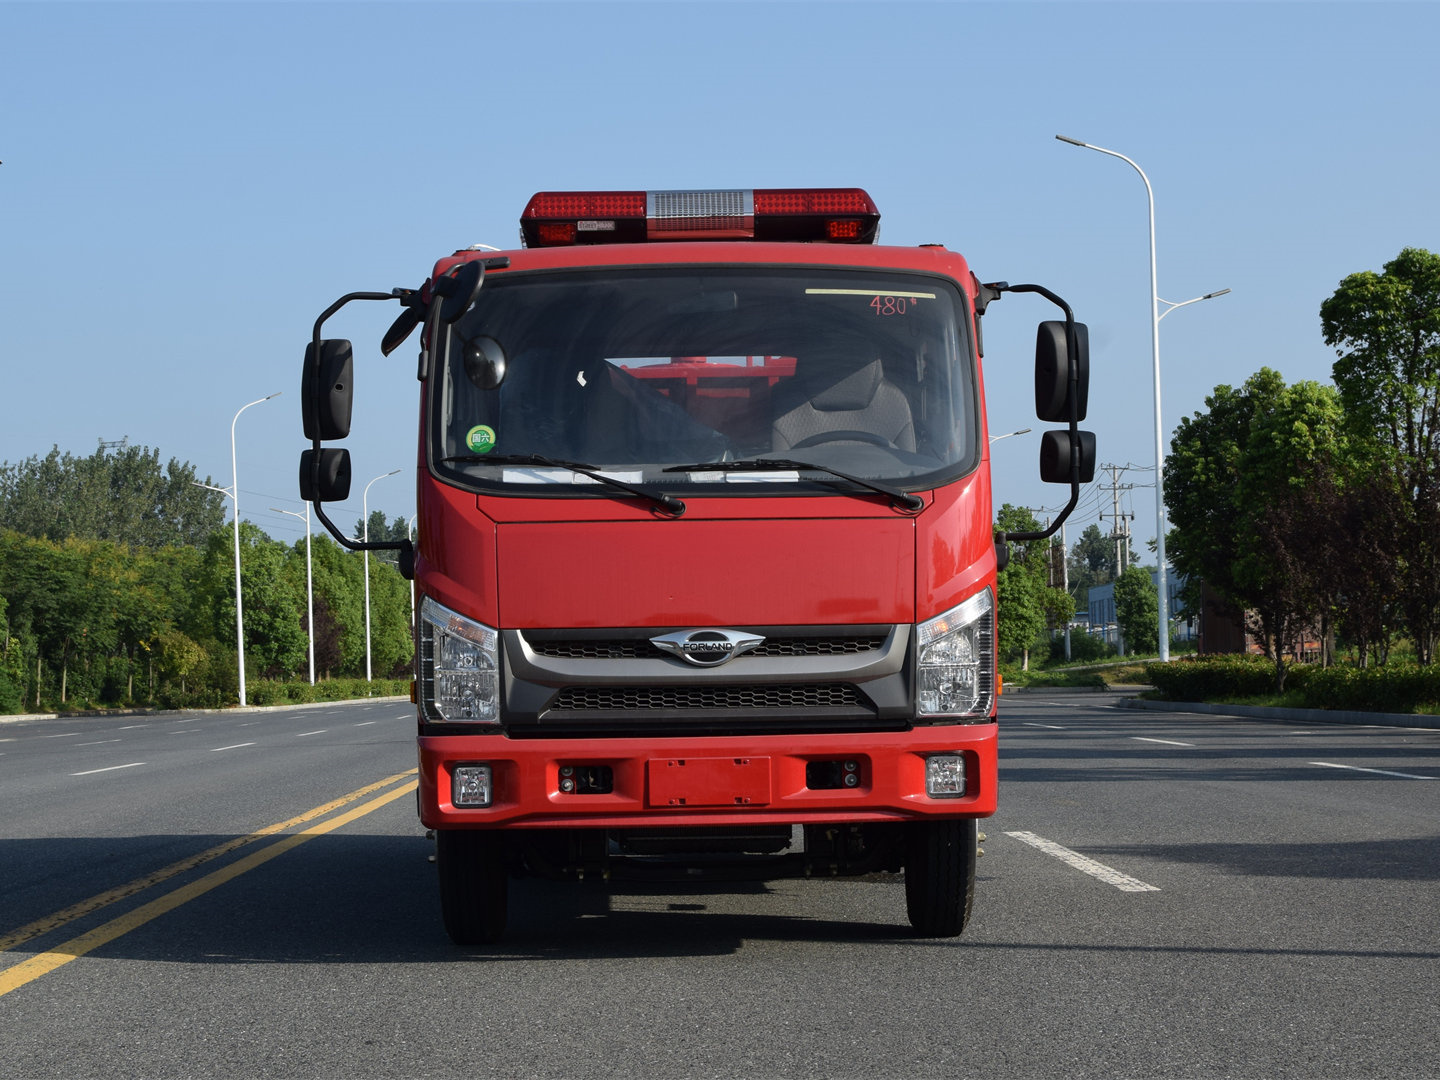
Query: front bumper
719,780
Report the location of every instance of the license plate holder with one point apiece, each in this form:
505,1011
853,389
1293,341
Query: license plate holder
683,783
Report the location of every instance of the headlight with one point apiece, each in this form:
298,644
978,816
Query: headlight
459,667
956,668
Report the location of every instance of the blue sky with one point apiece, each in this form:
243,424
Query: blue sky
186,185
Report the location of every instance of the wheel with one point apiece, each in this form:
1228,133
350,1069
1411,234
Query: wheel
940,875
474,888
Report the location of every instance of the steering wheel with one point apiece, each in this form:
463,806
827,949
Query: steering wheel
843,435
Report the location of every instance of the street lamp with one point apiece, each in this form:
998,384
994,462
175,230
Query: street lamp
410,534
309,580
365,536
1008,434
1163,614
233,491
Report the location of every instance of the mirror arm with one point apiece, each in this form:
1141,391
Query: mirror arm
345,541
1072,349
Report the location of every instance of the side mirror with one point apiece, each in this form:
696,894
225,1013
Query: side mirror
485,362
1053,368
1055,454
332,484
459,290
326,391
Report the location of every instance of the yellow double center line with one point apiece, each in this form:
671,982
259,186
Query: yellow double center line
43,963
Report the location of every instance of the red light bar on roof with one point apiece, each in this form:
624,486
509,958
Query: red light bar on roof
832,215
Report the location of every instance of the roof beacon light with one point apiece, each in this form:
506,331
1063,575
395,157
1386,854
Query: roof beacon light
827,215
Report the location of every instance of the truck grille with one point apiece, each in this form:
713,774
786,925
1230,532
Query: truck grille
642,649
611,681
690,698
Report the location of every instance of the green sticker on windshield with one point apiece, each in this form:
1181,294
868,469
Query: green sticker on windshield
480,438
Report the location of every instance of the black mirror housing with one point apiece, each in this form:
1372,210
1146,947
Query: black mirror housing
332,483
327,392
1053,368
1055,453
459,290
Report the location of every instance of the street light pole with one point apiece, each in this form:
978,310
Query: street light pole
365,536
410,534
233,491
309,582
1163,614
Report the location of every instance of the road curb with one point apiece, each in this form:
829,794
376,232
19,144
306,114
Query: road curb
1289,716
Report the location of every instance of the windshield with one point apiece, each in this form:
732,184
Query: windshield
634,372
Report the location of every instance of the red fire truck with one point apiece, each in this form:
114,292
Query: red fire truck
705,569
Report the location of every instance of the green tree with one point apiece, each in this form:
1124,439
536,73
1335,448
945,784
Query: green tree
120,494
397,529
1245,483
339,609
1137,610
12,665
392,645
1385,329
1091,562
275,640
179,659
1027,603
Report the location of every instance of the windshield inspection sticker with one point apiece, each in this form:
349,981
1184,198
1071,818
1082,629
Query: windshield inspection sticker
480,438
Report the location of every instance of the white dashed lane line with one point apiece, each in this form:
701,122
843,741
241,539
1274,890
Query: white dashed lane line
1107,874
112,768
1378,772
1163,742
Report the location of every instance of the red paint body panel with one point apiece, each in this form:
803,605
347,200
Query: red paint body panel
527,779
708,572
926,260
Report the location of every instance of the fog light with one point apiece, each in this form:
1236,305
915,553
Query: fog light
470,785
945,776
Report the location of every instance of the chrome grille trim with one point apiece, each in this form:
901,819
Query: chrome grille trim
612,680
642,649
729,699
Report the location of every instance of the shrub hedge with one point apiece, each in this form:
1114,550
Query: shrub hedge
1396,688
1213,677
266,692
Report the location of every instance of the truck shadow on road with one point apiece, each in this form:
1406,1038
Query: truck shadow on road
351,898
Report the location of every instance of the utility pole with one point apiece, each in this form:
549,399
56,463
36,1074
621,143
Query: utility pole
1121,532
1065,581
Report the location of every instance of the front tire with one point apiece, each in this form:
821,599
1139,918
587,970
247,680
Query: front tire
940,875
474,886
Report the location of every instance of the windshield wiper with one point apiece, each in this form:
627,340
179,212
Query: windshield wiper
669,503
904,500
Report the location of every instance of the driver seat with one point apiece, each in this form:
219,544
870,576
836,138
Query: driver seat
862,401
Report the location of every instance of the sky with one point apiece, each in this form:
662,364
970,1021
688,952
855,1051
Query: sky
186,186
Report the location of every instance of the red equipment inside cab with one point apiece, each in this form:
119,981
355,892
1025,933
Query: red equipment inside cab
705,569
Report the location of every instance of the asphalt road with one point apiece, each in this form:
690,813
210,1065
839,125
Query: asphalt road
1162,895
